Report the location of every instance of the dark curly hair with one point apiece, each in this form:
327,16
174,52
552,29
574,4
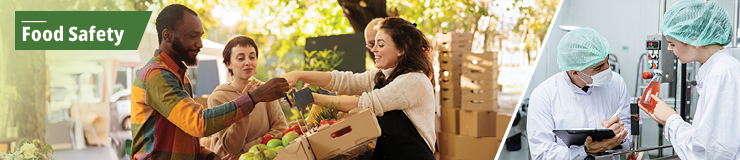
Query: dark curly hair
415,46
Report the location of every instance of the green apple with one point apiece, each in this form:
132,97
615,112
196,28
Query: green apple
290,136
274,143
254,150
262,147
278,148
259,156
270,154
246,156
257,148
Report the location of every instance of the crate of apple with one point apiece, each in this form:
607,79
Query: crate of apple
267,149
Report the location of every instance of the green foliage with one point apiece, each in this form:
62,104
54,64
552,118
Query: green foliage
434,16
534,22
326,60
29,149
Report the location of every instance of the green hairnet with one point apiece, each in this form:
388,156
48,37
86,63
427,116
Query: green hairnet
581,48
698,23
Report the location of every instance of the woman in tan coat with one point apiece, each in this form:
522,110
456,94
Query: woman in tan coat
240,57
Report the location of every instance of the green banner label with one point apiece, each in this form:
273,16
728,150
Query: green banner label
79,30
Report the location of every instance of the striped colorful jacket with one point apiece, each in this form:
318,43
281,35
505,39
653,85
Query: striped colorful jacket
166,122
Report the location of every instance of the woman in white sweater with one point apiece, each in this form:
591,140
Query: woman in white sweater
399,91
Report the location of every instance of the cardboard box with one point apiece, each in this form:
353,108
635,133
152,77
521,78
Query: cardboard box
478,123
448,58
298,150
479,72
362,127
502,121
450,97
480,94
455,37
484,58
476,148
450,120
95,118
446,143
479,104
447,157
455,46
466,82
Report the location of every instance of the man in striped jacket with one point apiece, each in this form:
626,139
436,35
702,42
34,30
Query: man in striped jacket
166,121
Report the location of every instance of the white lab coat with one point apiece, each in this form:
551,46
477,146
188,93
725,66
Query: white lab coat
557,103
715,132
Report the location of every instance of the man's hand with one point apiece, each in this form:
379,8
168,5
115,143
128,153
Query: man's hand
270,91
614,123
604,145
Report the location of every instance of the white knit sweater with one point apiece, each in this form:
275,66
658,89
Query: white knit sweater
411,92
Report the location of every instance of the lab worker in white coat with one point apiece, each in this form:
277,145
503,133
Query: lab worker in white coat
586,94
696,31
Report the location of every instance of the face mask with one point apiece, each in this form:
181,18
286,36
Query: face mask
599,79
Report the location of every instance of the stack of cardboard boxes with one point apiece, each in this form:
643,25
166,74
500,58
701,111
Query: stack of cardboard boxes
472,127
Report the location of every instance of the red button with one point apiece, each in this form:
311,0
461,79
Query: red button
647,75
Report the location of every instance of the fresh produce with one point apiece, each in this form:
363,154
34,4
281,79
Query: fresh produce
266,138
268,150
290,136
274,143
286,132
325,122
270,154
297,129
257,148
259,156
323,111
246,156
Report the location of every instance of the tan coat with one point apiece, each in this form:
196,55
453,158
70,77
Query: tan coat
266,118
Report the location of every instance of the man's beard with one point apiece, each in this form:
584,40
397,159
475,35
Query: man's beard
184,53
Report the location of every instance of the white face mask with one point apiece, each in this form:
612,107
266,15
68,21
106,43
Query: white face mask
599,79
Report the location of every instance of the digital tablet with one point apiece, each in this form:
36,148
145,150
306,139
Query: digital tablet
577,136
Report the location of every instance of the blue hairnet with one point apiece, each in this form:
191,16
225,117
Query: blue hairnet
581,48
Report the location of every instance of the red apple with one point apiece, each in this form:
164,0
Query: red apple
286,131
266,138
297,129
